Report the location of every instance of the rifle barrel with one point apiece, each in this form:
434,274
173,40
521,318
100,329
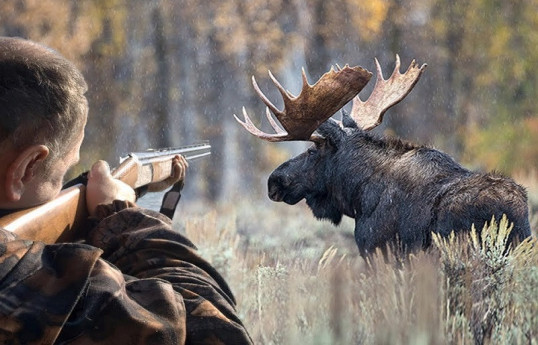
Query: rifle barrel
189,152
193,157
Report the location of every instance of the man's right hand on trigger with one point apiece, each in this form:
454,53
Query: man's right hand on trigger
102,188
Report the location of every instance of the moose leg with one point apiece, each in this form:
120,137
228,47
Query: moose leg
370,234
363,238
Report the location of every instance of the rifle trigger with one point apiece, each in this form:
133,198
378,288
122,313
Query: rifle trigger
80,179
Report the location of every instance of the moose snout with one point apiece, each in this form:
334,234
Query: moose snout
276,185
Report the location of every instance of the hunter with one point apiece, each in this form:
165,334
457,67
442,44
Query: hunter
133,280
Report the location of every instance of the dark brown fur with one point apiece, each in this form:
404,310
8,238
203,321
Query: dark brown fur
396,191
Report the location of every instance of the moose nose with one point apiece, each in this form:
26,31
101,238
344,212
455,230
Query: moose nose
279,181
276,184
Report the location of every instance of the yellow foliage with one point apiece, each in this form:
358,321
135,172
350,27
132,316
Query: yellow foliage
250,29
274,155
509,146
368,17
109,18
58,24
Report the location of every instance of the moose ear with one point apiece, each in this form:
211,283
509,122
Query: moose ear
332,132
347,121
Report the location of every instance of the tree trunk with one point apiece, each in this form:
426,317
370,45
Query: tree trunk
162,87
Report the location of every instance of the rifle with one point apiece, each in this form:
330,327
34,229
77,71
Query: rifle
63,218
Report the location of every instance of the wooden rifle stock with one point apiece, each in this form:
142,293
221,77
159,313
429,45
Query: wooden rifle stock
64,218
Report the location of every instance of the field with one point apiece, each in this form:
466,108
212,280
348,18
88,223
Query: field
301,281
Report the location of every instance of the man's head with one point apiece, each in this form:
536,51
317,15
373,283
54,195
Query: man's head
43,112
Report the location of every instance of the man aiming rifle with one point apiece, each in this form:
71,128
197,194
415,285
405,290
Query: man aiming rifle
133,280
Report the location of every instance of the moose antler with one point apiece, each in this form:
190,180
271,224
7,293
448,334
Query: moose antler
303,114
386,93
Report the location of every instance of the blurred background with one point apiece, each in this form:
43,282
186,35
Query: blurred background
173,72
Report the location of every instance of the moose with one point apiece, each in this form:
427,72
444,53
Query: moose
397,192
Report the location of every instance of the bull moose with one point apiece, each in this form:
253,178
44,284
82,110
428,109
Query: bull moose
397,192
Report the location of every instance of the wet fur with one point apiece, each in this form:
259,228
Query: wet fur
396,191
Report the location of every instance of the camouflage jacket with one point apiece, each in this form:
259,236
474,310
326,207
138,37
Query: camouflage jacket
134,281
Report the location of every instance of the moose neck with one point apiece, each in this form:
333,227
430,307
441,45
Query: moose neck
370,166
366,165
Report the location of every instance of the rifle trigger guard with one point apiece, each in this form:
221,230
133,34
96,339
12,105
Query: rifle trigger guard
80,179
141,191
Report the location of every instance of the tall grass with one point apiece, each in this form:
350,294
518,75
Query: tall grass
301,281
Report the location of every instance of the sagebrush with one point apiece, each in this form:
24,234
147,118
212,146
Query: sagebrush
300,281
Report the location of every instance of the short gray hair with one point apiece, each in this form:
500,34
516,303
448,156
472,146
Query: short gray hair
41,96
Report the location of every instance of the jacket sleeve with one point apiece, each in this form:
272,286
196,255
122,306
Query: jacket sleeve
154,290
66,294
39,287
142,244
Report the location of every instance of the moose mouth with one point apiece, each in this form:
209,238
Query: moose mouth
275,195
288,198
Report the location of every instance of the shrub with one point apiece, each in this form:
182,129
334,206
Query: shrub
466,289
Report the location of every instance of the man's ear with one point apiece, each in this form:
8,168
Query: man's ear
22,170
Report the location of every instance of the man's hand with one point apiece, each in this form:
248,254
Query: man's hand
102,188
179,170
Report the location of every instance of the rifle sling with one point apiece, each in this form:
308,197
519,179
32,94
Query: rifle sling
171,199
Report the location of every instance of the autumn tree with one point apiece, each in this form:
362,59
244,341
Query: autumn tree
169,72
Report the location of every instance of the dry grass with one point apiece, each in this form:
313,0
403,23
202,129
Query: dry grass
301,281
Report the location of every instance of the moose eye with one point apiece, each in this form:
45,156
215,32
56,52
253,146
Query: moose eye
312,150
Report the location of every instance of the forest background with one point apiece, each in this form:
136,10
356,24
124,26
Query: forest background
173,72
